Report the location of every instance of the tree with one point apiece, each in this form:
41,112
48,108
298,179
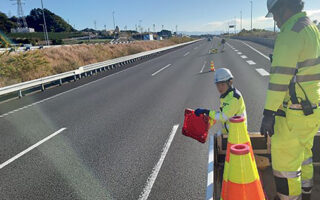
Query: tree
5,23
54,23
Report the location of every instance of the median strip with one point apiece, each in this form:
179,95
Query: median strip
160,70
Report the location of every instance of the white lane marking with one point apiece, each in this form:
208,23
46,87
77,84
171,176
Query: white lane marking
239,53
62,93
210,170
205,62
160,70
236,50
250,62
244,56
30,148
187,54
147,189
262,72
256,51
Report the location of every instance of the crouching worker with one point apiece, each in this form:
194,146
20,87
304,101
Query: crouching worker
231,101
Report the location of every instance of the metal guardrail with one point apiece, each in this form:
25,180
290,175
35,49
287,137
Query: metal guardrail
101,66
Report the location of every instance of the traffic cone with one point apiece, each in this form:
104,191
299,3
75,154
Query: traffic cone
243,182
212,66
238,134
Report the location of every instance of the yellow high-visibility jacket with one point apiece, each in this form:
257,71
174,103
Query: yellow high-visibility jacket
297,48
231,104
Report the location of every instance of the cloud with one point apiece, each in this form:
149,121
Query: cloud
258,22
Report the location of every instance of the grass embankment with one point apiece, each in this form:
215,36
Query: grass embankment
258,33
20,67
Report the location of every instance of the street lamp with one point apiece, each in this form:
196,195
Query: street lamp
251,14
45,25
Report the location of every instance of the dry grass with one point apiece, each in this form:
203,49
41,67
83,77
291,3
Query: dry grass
15,68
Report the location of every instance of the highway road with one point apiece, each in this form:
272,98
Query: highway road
118,135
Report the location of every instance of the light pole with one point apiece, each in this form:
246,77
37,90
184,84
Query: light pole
45,25
240,20
251,14
114,23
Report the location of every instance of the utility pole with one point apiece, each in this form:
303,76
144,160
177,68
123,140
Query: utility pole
95,24
251,14
240,20
45,24
162,27
274,26
114,23
176,30
154,28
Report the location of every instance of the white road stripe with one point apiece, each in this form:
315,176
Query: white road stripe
239,53
244,56
161,70
250,62
147,189
256,51
210,189
62,93
30,148
186,54
236,50
205,62
262,72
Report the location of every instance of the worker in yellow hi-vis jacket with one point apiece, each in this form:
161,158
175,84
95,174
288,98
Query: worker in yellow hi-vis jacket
231,101
292,112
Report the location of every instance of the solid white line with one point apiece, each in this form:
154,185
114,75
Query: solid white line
250,62
239,53
30,148
205,62
256,51
160,70
244,56
186,54
210,189
147,189
262,72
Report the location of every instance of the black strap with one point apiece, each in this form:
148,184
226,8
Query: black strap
292,90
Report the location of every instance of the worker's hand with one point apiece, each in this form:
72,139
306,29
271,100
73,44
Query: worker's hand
267,125
200,111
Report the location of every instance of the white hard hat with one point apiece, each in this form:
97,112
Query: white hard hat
270,5
222,75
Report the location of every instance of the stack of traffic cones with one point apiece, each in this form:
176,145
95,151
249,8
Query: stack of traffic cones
212,66
237,135
243,182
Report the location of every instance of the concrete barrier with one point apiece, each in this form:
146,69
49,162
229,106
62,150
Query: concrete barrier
264,41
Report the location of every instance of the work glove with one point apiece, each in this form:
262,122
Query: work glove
267,125
200,111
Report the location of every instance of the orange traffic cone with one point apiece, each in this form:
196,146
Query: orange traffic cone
238,134
212,66
243,182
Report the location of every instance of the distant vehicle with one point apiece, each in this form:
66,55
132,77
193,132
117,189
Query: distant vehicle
209,39
27,46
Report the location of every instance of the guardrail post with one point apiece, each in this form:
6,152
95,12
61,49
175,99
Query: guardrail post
75,77
95,71
85,74
60,82
79,76
42,87
90,73
20,94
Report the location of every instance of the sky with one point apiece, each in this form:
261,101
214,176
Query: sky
188,15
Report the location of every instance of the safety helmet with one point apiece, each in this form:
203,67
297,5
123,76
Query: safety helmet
222,75
270,5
